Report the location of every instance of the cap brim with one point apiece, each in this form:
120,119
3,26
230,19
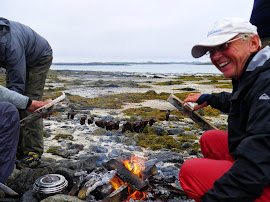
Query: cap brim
200,49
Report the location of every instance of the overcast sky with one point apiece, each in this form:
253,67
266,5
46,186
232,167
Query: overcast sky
123,30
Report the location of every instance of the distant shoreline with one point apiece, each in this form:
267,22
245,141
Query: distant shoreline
129,63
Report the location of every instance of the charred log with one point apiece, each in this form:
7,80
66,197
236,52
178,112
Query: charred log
127,176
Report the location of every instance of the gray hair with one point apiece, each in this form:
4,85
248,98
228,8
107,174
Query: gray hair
246,36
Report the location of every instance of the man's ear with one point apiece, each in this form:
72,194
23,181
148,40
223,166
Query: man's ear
254,43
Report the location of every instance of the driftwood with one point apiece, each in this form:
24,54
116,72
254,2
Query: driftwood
197,118
127,176
36,115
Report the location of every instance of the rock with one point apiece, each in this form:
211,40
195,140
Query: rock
175,131
27,178
188,133
61,198
108,118
98,149
30,195
173,117
186,145
160,131
165,157
68,174
192,152
88,163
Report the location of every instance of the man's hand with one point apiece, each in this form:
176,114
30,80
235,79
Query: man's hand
193,97
37,104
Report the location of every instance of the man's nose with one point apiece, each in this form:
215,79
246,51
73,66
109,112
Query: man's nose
217,54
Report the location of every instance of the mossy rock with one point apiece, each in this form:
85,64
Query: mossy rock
53,149
63,136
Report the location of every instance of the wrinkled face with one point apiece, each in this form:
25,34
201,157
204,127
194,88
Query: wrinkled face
231,61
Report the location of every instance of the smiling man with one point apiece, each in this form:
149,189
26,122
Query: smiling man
236,164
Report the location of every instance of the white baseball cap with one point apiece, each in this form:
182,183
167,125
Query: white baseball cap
222,31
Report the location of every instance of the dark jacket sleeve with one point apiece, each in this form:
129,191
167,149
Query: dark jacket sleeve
220,101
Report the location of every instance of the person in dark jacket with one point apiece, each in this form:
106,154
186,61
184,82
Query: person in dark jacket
260,17
236,164
27,57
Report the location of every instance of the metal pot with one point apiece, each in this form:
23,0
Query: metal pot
50,184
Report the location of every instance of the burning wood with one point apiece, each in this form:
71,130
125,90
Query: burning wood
127,176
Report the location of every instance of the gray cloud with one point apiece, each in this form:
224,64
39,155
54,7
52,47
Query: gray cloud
122,30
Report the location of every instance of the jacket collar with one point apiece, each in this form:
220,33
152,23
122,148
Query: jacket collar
259,59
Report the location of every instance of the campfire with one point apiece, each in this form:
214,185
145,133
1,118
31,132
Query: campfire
125,180
135,165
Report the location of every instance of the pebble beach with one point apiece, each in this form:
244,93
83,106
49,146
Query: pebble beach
87,140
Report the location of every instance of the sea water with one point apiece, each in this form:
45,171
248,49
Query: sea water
144,68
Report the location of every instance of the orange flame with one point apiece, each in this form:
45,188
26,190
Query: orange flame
116,182
135,165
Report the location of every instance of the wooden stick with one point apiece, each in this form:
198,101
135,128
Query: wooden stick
197,118
36,115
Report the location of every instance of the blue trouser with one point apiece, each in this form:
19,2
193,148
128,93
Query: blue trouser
9,136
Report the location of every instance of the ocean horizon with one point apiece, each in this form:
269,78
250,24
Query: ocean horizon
142,68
